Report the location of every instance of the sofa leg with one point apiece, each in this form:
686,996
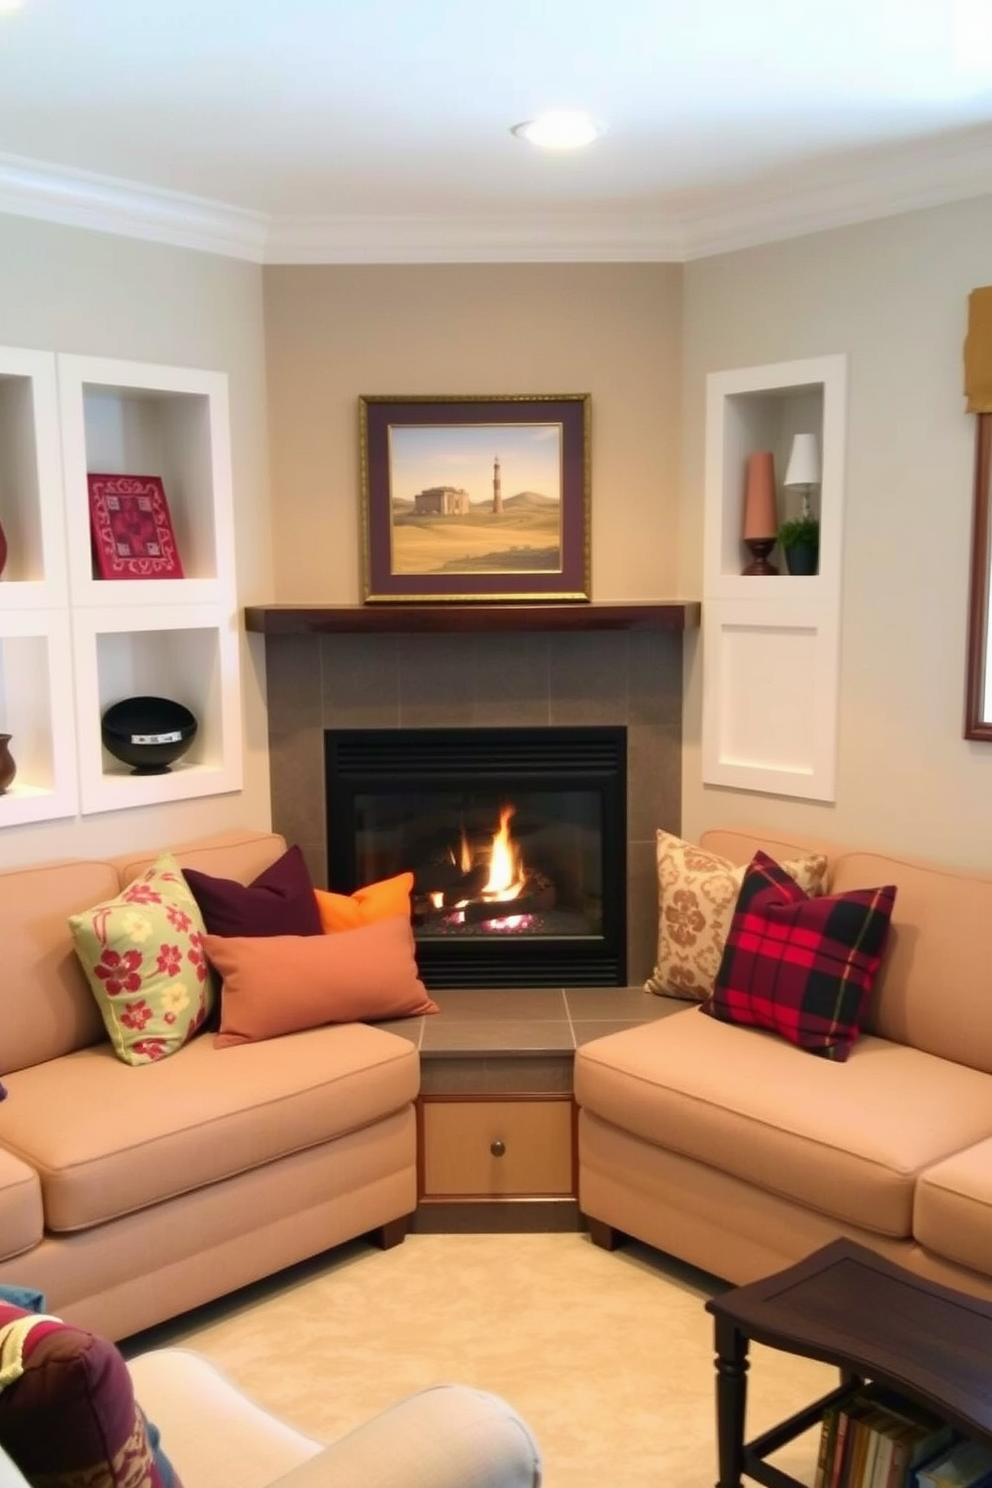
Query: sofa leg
603,1234
393,1232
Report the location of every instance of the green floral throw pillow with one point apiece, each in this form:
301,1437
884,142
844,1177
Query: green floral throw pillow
143,955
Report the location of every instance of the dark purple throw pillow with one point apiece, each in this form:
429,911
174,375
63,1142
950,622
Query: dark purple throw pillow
801,967
280,901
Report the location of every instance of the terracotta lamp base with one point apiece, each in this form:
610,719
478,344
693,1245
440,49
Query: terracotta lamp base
759,548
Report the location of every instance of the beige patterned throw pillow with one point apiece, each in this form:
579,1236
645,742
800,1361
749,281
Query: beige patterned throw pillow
697,892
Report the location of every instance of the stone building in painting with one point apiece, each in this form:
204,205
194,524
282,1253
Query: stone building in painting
441,501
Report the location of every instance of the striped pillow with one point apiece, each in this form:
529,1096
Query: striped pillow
801,967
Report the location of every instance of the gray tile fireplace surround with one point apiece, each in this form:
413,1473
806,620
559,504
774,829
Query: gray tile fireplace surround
526,678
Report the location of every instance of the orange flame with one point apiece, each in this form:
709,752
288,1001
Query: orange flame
505,876
463,862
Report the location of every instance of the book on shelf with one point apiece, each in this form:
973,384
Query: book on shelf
131,528
876,1438
825,1451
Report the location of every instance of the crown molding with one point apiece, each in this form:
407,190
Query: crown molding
106,204
863,188
565,238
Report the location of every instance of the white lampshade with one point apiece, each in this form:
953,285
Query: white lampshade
804,462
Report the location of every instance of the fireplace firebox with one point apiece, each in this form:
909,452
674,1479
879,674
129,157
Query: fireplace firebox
516,839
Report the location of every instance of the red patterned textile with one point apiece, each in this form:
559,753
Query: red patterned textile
801,967
132,528
68,1417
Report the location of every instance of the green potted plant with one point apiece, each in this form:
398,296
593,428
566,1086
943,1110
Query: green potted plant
799,540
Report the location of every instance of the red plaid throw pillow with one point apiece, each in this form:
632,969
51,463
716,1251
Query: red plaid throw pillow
801,967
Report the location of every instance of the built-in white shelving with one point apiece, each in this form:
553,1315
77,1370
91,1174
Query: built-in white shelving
771,643
186,653
30,482
71,644
36,710
125,418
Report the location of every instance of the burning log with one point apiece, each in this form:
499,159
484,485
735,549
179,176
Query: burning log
537,896
481,881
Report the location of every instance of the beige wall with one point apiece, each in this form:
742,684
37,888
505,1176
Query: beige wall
333,333
63,289
892,295
640,338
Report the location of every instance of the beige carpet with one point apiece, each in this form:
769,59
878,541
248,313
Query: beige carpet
608,1355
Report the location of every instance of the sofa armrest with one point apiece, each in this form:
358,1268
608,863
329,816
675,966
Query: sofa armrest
214,1435
449,1436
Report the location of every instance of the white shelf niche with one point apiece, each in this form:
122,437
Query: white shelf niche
761,408
128,418
771,643
30,482
189,655
36,710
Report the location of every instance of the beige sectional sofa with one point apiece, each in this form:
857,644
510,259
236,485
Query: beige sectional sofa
739,1153
131,1193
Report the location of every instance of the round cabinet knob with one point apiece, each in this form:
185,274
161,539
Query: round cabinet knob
497,1148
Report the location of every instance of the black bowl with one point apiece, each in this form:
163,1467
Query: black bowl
148,733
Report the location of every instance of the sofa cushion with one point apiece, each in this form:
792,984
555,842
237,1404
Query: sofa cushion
366,906
697,891
235,854
801,967
280,901
280,984
68,1415
953,1211
143,955
941,934
846,1140
60,1015
941,937
21,1216
199,1117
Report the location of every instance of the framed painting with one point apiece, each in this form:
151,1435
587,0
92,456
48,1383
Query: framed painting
475,498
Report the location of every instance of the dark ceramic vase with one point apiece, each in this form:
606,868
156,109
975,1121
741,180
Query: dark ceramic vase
7,767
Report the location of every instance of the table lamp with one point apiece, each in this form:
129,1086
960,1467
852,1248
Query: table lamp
760,515
803,470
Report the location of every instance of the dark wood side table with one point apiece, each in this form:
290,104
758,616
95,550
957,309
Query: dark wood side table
847,1306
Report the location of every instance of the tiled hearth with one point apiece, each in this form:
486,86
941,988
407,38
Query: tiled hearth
633,678
519,1042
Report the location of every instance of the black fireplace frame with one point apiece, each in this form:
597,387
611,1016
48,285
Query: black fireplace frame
592,757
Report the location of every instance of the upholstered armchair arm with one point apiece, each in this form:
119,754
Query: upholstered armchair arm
446,1437
450,1436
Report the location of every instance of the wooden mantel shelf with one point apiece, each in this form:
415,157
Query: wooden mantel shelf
672,614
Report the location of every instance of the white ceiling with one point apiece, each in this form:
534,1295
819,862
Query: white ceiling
379,130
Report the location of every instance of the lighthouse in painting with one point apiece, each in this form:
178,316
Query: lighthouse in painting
497,493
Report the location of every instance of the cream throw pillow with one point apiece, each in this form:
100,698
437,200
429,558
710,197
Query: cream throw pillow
697,892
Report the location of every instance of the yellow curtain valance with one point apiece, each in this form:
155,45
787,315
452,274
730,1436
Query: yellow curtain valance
978,352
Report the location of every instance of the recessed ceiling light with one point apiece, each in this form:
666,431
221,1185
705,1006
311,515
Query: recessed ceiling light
560,130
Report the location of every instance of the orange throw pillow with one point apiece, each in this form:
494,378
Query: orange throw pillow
377,901
276,984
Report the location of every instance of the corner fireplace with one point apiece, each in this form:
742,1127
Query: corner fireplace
516,839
